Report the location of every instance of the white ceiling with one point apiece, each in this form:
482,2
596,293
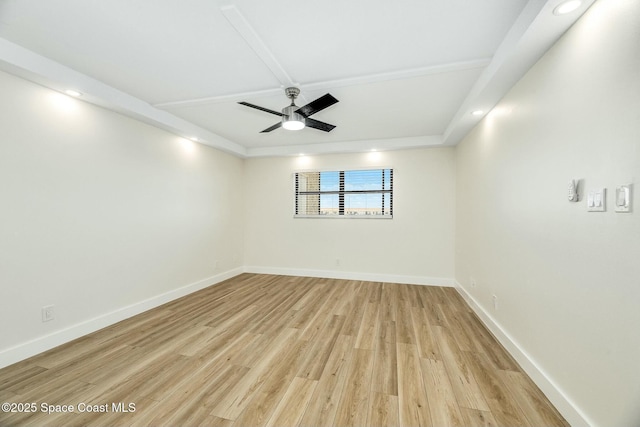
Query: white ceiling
407,73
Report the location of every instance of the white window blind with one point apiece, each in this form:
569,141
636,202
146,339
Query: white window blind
347,193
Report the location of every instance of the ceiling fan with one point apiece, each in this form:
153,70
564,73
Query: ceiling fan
296,118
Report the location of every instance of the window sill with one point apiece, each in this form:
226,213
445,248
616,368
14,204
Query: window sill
345,216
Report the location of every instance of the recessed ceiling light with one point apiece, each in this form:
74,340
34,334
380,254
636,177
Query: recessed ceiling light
72,92
567,7
477,113
194,138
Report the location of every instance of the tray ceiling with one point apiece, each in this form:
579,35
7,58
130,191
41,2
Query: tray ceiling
406,73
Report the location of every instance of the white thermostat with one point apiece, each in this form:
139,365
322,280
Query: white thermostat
572,194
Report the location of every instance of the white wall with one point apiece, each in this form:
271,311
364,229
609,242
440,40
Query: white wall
567,281
102,216
416,246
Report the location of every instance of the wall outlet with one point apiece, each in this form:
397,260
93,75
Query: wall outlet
494,298
337,262
473,282
215,264
48,313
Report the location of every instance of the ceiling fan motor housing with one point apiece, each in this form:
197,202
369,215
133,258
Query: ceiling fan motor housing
289,115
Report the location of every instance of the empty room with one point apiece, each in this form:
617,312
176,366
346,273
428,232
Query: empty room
275,213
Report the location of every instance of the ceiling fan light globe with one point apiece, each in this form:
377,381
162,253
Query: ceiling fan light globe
293,125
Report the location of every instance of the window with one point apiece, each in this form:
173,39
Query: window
352,193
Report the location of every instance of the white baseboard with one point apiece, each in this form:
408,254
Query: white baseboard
350,275
31,348
569,410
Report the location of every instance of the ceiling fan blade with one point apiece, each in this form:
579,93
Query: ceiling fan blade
274,127
257,107
317,105
317,124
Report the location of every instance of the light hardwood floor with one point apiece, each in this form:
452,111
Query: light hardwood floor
260,350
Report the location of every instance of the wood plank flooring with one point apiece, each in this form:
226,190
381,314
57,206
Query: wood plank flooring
261,350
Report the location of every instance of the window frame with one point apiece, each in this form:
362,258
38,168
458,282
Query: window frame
341,192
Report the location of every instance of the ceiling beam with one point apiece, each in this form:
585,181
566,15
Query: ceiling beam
255,42
348,146
29,65
529,38
331,84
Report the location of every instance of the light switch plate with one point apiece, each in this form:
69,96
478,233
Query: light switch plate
597,200
623,198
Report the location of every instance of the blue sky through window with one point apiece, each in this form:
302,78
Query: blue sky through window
356,180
